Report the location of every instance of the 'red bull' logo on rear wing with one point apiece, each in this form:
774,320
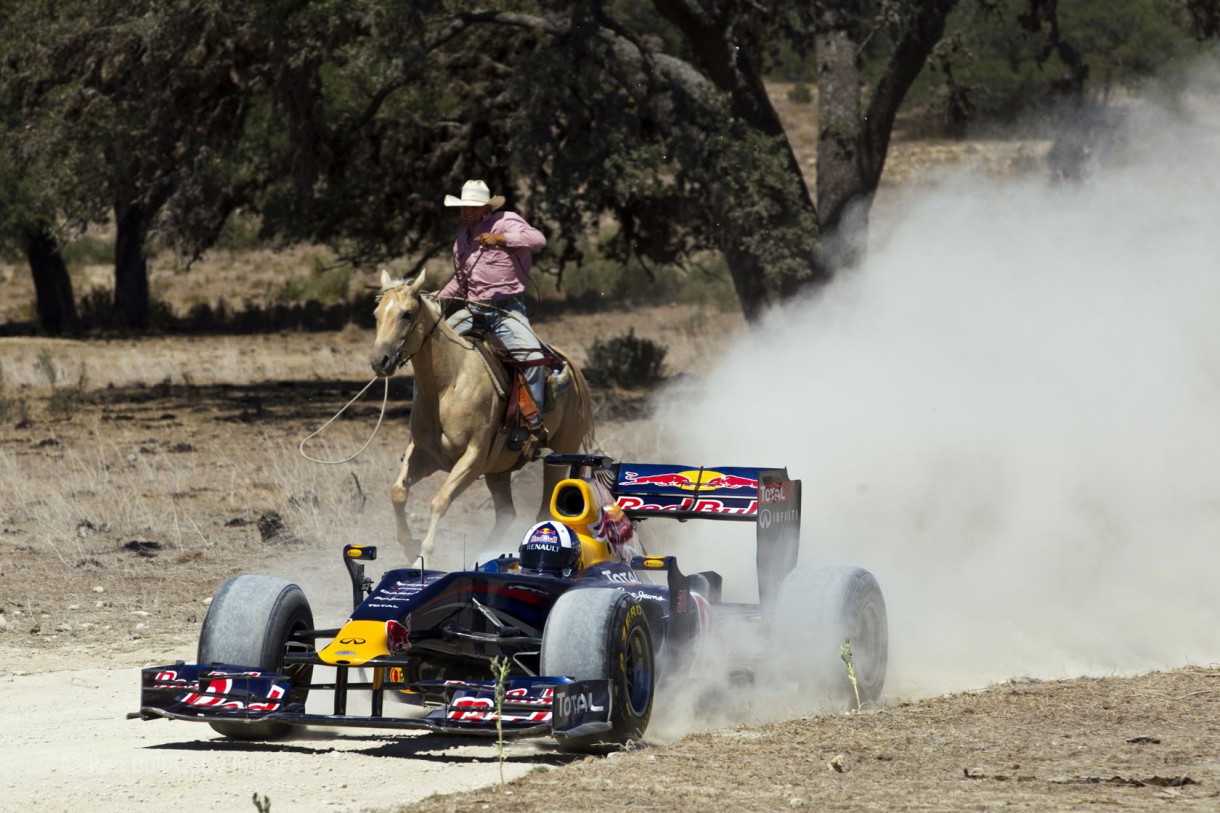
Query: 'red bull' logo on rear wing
648,488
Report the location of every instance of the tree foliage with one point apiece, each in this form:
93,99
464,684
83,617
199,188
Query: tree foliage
346,121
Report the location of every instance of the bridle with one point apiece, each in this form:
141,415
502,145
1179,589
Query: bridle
399,359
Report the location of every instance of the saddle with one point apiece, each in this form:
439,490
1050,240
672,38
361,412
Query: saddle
508,373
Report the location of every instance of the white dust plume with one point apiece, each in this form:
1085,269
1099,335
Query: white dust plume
1010,415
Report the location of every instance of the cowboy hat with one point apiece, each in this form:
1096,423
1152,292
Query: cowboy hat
475,193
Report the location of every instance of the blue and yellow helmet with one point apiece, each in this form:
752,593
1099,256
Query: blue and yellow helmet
551,548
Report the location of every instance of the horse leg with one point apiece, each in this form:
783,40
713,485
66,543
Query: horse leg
413,470
463,473
501,488
569,424
551,475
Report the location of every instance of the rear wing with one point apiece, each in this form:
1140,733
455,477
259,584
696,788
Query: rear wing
764,496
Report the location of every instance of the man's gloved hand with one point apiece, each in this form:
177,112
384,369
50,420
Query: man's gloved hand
491,239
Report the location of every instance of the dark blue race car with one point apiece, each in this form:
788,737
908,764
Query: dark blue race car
579,625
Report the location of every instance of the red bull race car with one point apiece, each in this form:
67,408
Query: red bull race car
569,636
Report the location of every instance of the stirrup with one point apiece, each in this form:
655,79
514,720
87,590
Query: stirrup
517,437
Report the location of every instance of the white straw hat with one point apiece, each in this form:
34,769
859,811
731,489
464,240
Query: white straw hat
475,193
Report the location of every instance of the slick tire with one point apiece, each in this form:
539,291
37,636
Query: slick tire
252,621
600,634
817,610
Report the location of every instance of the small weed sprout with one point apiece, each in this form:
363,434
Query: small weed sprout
262,805
845,654
7,405
45,364
499,670
64,401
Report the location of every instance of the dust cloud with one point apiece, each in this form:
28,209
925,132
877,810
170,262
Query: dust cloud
1010,414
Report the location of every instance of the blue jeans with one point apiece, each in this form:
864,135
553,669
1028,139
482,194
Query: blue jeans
512,326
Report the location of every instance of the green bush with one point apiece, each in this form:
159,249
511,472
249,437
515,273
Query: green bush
89,250
96,307
611,283
240,232
800,94
325,284
626,361
6,404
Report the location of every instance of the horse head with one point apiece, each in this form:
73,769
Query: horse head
400,307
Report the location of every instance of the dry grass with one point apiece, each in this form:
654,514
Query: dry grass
179,459
187,442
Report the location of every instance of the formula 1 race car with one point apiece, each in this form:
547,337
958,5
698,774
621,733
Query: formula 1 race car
568,636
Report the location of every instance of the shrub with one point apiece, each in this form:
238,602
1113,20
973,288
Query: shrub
66,400
626,361
6,404
240,232
326,284
800,94
89,249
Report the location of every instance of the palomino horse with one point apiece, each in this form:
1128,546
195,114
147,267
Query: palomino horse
457,411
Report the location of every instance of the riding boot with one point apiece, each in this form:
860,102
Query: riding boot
533,430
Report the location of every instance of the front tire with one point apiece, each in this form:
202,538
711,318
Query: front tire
252,621
819,609
600,634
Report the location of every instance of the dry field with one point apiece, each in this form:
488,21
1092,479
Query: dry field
138,474
177,464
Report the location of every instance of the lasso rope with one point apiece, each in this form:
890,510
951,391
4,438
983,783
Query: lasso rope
386,395
385,398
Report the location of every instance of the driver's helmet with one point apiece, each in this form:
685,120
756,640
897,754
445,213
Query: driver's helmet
551,548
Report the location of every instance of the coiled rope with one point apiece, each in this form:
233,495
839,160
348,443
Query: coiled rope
385,398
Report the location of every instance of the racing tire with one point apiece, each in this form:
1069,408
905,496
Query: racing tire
252,621
816,611
600,634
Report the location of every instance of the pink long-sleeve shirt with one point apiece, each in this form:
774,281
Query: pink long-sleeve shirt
482,274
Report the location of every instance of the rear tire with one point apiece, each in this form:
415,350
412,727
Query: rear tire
251,622
817,610
600,634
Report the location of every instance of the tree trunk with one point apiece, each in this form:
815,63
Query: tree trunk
750,283
131,301
839,124
52,285
853,141
758,285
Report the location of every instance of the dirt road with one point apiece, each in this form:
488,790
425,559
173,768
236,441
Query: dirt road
68,746
1135,743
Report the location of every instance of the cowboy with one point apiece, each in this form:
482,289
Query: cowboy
492,257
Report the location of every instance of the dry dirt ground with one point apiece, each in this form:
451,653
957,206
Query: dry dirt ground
136,475
129,499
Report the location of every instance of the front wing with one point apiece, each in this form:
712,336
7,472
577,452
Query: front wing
236,694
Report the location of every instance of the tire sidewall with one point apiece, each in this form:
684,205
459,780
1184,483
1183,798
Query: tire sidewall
249,623
601,634
630,640
819,608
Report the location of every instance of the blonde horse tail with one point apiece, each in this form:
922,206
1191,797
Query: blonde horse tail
583,415
588,440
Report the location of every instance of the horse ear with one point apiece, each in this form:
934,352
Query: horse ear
385,279
418,283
